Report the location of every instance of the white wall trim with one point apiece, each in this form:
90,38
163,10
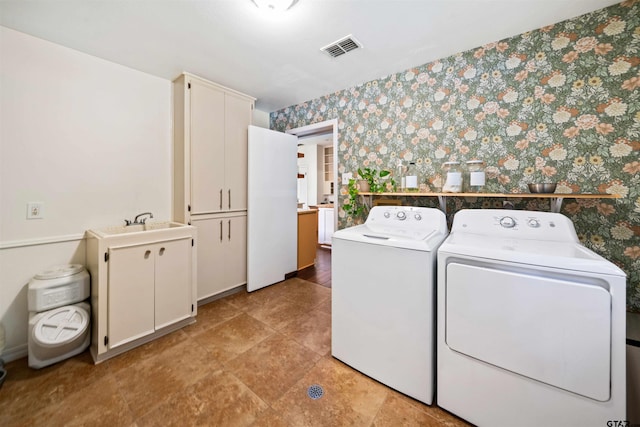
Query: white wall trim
15,353
41,241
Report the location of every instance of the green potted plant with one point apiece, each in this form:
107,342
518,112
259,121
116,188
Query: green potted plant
352,206
376,183
374,178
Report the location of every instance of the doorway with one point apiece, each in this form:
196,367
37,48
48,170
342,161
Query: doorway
326,134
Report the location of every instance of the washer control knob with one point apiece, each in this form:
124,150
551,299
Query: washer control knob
401,215
507,222
418,217
387,214
534,223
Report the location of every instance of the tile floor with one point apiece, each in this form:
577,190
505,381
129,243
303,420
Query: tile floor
248,361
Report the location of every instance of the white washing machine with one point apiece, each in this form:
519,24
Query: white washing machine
531,324
383,297
59,316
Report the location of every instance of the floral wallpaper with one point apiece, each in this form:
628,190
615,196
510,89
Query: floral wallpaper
559,104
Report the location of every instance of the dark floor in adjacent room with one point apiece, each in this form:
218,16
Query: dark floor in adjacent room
248,361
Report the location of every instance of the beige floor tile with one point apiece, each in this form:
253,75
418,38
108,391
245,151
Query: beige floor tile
398,412
445,418
219,399
99,404
350,398
148,383
273,366
233,337
145,351
211,315
325,306
27,391
249,301
313,331
271,418
248,350
306,294
280,312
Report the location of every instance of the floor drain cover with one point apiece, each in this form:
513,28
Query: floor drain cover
315,392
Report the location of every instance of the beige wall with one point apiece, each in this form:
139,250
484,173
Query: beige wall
91,140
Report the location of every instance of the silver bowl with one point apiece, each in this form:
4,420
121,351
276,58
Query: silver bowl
548,187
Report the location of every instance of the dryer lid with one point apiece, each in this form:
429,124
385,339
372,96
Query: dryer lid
59,271
61,325
560,255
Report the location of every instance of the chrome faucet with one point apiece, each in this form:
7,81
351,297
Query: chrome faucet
137,220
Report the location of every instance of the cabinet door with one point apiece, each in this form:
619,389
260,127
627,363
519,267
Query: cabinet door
211,250
172,282
307,239
207,148
238,119
328,225
236,251
321,226
131,294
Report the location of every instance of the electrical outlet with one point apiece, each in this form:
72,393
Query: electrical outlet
346,177
34,210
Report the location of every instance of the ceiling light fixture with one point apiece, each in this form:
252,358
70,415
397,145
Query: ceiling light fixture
274,5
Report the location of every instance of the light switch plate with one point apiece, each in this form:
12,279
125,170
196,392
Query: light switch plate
346,177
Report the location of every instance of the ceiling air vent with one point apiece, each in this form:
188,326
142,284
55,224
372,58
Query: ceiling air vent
342,46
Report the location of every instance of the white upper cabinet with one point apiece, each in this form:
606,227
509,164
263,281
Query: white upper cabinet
207,148
210,148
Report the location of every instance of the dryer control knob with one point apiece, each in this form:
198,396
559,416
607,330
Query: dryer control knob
534,223
387,214
418,217
507,222
401,215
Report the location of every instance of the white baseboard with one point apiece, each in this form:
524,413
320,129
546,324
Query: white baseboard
15,353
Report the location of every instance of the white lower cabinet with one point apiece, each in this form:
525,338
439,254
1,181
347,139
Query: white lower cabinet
222,252
325,225
130,294
142,287
173,282
148,289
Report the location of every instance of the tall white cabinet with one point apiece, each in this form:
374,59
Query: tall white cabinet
210,177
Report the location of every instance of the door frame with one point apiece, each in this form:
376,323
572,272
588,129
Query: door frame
321,128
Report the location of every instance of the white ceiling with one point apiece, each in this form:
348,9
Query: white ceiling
277,58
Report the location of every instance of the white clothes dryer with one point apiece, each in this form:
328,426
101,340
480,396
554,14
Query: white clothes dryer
531,324
59,316
383,297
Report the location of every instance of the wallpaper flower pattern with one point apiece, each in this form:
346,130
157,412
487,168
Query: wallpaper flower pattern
559,104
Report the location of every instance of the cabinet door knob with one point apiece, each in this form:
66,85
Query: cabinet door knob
147,253
161,251
221,230
221,199
229,237
229,198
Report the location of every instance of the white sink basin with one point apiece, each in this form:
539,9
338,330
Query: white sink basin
137,228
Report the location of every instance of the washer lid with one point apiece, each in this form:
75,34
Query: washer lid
61,325
426,241
59,271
